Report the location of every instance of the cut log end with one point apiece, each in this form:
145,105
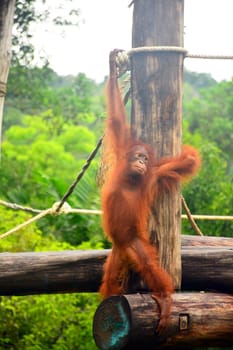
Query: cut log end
112,323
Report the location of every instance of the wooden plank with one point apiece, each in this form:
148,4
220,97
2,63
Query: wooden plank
197,319
81,271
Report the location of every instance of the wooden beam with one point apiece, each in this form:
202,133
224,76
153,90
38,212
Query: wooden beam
197,319
81,271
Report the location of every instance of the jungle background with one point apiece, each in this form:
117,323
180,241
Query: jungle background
51,124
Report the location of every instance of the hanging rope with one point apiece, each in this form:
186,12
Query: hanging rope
190,217
80,175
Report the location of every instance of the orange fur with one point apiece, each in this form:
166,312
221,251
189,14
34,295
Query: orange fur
126,202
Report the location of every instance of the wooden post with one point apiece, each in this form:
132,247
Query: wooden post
197,319
156,110
7,8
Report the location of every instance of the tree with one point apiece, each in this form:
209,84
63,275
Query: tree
210,114
7,8
28,12
199,80
210,192
40,159
34,90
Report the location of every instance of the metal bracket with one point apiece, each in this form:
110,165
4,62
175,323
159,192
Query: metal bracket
184,322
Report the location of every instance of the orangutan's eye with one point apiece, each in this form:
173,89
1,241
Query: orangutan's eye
141,156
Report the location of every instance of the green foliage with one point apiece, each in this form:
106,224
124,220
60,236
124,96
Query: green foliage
69,139
198,80
44,150
78,100
211,115
47,322
29,238
51,125
40,160
208,193
208,124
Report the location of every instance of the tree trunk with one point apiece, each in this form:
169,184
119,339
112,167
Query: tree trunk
157,112
197,319
7,8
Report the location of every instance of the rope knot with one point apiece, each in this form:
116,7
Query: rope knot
122,62
65,208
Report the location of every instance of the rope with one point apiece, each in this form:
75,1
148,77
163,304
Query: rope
190,217
209,217
64,209
80,175
26,223
99,212
67,209
144,49
19,207
178,50
59,207
210,57
123,57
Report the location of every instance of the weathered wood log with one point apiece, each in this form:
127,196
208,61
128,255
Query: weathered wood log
197,319
204,241
207,268
81,271
156,118
51,272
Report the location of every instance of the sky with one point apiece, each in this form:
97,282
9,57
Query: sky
107,24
